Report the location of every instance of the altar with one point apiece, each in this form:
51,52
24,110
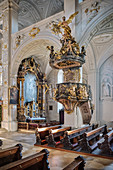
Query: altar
36,119
32,84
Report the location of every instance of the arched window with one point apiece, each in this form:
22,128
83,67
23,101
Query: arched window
80,1
59,80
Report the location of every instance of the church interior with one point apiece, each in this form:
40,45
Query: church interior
56,84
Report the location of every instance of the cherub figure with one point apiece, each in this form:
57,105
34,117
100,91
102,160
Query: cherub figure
83,51
52,54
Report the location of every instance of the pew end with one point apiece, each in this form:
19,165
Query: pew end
11,154
106,146
1,143
36,161
77,164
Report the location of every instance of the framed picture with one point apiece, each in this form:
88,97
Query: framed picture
13,95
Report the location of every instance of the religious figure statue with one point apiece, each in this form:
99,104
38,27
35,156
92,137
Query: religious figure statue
106,90
56,28
69,45
51,51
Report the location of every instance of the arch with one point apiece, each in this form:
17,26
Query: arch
106,55
94,28
21,51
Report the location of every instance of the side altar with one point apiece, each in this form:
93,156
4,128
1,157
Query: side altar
32,86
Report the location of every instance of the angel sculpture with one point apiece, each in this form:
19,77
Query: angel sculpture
56,28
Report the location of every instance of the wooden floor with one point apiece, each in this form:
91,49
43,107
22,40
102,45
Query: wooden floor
58,158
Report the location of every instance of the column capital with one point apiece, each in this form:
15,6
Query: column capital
9,4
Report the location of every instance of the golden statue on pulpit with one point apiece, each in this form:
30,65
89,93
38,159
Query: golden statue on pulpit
56,28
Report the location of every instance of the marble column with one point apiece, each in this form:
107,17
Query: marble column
10,13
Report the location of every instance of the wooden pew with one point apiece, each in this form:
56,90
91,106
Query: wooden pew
1,143
33,126
105,146
10,154
91,139
77,164
70,139
27,126
41,133
55,136
53,123
38,161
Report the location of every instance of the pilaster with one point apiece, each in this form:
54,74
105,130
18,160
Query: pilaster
93,81
8,8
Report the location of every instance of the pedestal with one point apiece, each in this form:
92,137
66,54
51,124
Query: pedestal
73,119
9,125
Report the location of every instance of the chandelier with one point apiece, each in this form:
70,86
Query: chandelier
70,58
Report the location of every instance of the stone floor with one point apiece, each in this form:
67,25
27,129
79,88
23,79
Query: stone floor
59,158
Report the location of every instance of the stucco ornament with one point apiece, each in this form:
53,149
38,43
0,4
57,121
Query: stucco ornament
34,31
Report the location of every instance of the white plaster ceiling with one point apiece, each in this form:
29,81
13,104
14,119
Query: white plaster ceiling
32,11
97,48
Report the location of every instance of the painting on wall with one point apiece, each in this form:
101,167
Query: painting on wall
13,95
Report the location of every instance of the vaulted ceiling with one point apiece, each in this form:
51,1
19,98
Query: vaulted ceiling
32,11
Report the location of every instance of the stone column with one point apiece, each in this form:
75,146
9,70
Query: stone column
10,9
43,114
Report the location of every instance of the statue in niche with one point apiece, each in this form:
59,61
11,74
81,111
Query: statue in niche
106,88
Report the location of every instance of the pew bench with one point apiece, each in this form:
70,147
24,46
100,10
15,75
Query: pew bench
38,161
55,136
77,164
41,133
71,138
90,140
27,126
11,154
1,143
105,146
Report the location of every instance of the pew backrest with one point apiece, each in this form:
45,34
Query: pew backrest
78,132
45,131
109,136
90,135
10,154
36,161
77,164
57,132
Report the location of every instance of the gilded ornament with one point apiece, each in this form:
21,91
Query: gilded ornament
92,11
34,31
5,28
5,82
18,40
69,58
5,46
